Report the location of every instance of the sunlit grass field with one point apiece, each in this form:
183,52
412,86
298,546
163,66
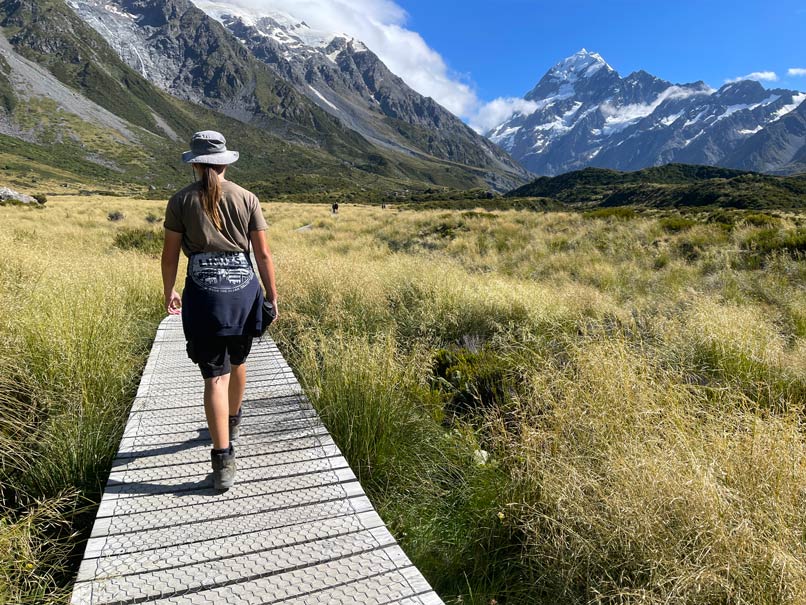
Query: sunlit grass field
544,407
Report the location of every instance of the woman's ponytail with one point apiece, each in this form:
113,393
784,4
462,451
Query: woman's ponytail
211,193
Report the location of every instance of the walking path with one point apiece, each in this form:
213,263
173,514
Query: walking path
296,528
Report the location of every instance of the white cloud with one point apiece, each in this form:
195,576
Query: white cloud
381,25
496,112
618,118
796,72
759,76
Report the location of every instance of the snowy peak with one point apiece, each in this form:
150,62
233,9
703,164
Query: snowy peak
580,65
573,75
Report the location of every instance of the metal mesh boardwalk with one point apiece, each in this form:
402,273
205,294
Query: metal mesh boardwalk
296,528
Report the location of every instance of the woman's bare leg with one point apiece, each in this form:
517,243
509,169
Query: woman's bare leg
216,409
237,385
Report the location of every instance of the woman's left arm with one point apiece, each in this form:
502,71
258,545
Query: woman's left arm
265,266
171,246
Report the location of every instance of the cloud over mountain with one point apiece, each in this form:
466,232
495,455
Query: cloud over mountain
381,25
499,110
758,76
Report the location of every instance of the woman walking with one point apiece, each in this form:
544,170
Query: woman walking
216,223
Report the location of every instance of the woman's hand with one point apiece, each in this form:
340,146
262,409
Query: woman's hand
265,266
170,262
173,303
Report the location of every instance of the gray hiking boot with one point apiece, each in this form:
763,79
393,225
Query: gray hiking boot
223,469
235,425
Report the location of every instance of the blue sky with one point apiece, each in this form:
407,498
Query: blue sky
503,47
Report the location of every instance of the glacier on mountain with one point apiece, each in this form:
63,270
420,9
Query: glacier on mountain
274,24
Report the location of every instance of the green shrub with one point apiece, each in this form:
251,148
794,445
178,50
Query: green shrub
688,250
676,224
770,240
661,261
472,382
446,229
152,218
725,218
115,216
619,213
146,241
759,219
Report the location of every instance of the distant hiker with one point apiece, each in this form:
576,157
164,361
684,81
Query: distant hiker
335,208
215,223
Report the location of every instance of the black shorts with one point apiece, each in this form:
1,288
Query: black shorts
216,355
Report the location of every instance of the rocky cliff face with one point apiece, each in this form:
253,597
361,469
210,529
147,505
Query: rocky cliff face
583,113
778,148
347,79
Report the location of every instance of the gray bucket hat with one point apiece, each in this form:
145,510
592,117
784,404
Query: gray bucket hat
209,147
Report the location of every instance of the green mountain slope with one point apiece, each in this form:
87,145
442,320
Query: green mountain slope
671,185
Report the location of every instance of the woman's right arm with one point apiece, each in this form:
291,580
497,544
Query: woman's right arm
265,264
170,264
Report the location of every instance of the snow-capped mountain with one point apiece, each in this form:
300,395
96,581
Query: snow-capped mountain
583,113
181,47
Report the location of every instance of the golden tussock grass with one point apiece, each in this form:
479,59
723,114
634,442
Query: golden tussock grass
622,421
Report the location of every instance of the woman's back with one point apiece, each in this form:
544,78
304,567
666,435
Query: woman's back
239,211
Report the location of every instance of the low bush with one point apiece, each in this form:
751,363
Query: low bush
770,240
115,216
676,224
146,241
619,213
759,219
723,216
472,382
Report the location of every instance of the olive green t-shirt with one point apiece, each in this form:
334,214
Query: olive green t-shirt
240,215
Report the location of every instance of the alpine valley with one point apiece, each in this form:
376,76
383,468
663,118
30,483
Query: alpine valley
583,113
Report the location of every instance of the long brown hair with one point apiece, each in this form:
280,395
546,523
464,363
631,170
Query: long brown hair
211,192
